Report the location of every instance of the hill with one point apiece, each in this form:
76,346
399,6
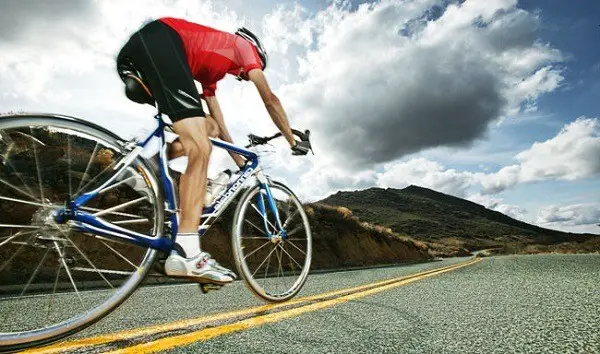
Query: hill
444,220
340,240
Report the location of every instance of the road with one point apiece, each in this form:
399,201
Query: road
523,304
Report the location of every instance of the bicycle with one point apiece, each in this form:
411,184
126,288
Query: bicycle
74,245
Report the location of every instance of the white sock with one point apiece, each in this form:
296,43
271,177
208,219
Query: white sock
189,242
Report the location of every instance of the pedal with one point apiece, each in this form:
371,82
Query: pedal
206,287
159,265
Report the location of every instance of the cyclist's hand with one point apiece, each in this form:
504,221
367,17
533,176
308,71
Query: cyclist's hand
301,148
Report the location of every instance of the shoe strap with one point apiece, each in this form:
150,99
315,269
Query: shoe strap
204,259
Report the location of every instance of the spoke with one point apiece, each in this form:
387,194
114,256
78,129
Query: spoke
21,226
253,238
251,253
263,262
112,164
10,238
51,302
15,254
87,259
37,269
64,263
112,213
112,186
120,206
15,171
267,269
256,227
119,254
106,271
288,206
69,161
285,204
132,221
290,218
29,137
22,201
296,229
291,243
293,268
264,216
292,258
18,174
18,189
87,168
279,268
37,166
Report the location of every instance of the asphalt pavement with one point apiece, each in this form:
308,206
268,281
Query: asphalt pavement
506,304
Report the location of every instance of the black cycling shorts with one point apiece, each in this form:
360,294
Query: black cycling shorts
157,52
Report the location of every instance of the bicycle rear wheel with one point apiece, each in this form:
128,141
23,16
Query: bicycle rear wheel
276,268
55,280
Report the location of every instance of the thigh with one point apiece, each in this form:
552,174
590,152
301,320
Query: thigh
212,126
193,134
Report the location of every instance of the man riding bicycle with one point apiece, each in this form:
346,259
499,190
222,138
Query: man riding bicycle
169,54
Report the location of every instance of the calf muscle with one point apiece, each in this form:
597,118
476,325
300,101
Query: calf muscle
194,138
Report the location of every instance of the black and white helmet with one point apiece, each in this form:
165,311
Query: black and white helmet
252,38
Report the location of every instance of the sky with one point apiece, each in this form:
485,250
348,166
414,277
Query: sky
493,101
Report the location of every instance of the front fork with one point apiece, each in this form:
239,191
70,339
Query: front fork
265,200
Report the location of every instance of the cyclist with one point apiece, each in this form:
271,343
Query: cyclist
170,54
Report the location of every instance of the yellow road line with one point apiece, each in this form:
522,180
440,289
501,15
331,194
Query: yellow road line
176,325
207,333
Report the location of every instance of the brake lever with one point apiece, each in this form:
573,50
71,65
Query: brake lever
307,135
256,140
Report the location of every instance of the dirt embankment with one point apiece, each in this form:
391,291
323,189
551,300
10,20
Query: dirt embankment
588,246
339,240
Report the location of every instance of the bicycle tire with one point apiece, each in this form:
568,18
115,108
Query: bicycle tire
50,127
245,266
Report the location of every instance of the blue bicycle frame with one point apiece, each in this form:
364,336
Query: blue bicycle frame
89,223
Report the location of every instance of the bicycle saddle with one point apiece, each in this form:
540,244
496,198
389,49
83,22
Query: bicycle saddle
135,87
136,90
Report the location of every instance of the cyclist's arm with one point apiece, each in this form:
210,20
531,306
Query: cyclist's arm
217,114
272,104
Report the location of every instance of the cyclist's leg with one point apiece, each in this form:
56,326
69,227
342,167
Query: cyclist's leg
193,135
157,51
176,149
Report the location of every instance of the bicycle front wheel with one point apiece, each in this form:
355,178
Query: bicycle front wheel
55,280
274,265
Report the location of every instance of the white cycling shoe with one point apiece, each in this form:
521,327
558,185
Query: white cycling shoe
202,268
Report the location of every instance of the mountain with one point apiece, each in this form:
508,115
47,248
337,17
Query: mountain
444,220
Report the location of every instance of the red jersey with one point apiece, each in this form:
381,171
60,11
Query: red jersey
212,53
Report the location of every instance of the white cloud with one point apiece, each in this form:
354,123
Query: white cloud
322,180
385,81
495,203
425,173
572,154
575,217
68,67
575,214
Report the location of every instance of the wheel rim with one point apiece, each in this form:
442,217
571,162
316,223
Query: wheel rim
275,269
53,278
